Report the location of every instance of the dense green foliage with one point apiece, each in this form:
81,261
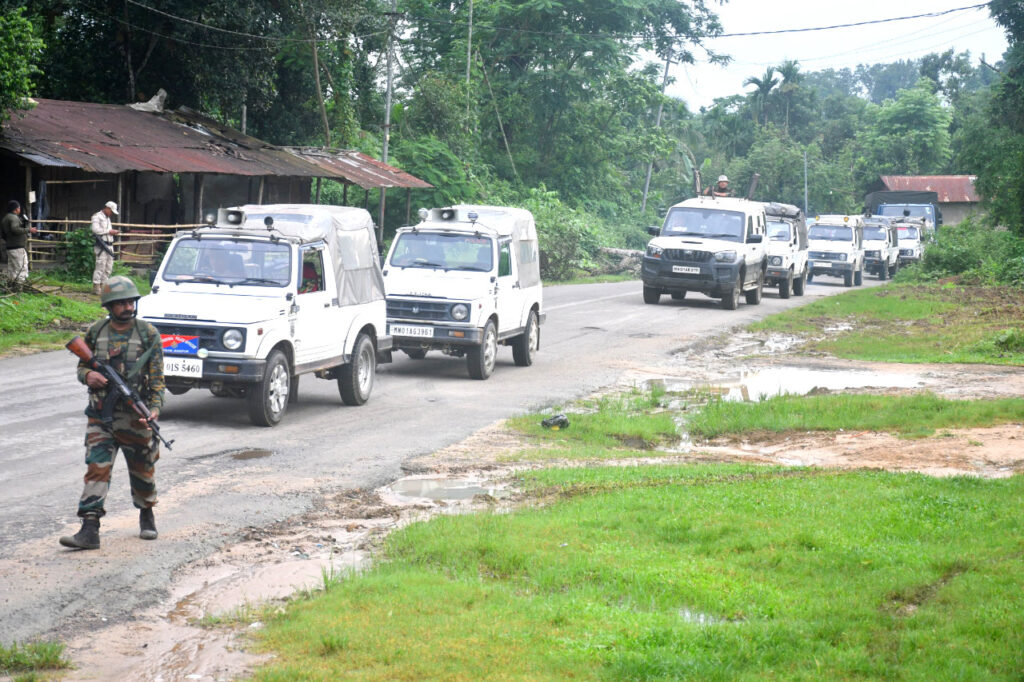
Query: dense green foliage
555,104
19,51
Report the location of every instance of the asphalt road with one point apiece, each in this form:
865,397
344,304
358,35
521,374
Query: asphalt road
214,484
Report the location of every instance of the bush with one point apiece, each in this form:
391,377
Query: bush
567,242
975,253
78,256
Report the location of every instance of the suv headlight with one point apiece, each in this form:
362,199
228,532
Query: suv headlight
775,260
725,256
460,311
232,339
654,251
842,256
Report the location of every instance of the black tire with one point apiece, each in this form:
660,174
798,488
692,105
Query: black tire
847,279
786,285
268,400
731,300
858,277
355,379
293,395
754,295
651,294
416,353
883,271
678,295
800,283
810,275
480,359
526,345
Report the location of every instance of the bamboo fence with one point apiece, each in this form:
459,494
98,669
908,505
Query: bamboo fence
137,245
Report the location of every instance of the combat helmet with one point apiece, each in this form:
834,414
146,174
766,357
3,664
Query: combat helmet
118,288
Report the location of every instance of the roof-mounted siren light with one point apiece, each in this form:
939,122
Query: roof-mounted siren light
269,222
232,217
423,214
472,215
448,214
210,219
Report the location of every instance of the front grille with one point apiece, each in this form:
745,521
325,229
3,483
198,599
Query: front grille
418,310
906,252
825,255
688,255
209,337
872,254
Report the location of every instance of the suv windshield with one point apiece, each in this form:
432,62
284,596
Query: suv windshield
837,233
875,234
709,223
778,231
909,233
446,251
229,261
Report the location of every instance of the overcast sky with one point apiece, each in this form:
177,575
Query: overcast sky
968,30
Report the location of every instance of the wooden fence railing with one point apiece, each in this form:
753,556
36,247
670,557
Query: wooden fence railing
136,244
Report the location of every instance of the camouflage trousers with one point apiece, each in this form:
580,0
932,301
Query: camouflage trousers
141,451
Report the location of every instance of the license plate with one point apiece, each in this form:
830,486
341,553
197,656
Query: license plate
409,330
183,367
686,270
822,264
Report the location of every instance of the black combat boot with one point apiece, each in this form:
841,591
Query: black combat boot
147,524
86,538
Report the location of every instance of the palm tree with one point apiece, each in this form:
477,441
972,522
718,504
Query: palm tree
763,87
791,77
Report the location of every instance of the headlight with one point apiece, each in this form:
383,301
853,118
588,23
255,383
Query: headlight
725,256
776,260
654,251
460,311
232,339
842,256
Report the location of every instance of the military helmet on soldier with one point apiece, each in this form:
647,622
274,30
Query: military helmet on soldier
118,288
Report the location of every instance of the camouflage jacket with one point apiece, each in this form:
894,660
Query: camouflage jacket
122,354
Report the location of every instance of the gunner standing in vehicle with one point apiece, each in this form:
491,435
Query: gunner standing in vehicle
133,348
719,189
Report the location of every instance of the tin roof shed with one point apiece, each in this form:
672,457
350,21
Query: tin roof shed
952,189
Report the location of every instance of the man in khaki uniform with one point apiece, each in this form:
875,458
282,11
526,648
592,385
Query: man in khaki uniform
104,234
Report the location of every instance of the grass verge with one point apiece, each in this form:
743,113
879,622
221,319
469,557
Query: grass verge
913,323
687,572
32,658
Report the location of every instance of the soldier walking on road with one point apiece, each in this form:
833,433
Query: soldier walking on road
104,234
15,234
132,347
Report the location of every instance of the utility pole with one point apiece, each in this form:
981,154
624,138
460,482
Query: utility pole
393,14
657,125
805,183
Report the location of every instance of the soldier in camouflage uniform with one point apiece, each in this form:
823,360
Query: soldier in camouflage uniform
132,347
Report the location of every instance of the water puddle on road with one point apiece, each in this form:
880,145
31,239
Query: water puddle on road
758,384
251,454
442,489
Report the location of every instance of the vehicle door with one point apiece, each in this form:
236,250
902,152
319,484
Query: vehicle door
753,250
509,301
315,326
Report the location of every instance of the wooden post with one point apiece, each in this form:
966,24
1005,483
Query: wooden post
408,205
259,196
318,180
380,225
344,193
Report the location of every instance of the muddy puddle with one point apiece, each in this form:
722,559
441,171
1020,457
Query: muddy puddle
444,489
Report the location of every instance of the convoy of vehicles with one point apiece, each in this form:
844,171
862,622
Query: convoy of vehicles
463,281
881,247
265,294
837,248
787,249
714,245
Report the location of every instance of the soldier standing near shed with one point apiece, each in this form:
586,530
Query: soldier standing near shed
103,232
133,348
15,234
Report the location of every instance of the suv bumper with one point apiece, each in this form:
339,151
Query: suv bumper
713,279
222,370
441,335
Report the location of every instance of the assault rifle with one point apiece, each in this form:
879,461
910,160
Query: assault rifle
104,246
117,389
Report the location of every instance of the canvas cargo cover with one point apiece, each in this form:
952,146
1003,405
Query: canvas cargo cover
783,210
504,221
348,233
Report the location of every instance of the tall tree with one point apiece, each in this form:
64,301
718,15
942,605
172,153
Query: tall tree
19,54
762,89
789,71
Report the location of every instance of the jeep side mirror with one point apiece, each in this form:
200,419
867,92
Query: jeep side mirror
654,230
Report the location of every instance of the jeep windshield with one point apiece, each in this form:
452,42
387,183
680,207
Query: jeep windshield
443,251
229,262
708,223
835,233
909,233
778,231
874,234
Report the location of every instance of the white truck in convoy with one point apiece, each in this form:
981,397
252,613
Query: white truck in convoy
265,294
836,248
464,280
881,247
910,234
714,245
787,248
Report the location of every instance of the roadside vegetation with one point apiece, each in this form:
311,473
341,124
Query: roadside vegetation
30,661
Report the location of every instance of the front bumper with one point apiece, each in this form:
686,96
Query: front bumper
711,278
837,268
222,370
441,335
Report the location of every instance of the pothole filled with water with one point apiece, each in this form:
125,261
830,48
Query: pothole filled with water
443,489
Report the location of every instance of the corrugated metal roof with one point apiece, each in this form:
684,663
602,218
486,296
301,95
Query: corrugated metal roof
358,168
110,138
952,189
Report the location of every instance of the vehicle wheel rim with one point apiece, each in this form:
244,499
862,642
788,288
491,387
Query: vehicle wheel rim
365,375
278,392
490,349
